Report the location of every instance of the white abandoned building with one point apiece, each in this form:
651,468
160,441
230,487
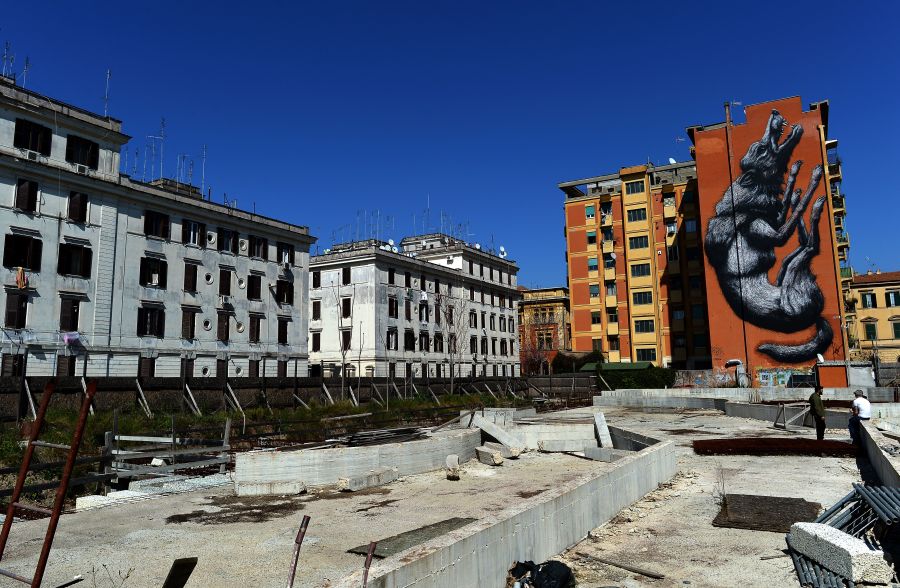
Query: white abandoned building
105,275
433,305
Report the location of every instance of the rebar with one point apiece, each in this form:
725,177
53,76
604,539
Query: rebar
297,543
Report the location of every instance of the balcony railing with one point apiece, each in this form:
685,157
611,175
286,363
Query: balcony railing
846,272
837,202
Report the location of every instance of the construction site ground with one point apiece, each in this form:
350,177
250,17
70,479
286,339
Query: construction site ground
670,531
248,541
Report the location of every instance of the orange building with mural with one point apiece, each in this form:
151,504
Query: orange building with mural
772,250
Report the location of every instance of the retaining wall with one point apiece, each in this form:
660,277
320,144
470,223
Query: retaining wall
533,529
287,472
886,466
770,394
834,419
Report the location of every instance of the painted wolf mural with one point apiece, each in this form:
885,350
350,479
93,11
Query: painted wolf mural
754,217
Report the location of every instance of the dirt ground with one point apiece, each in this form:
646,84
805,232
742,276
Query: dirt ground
670,531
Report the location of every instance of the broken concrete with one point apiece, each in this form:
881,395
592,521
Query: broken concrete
378,477
607,454
602,430
841,553
497,433
505,451
489,456
568,445
453,467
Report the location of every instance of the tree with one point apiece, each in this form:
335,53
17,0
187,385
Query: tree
454,314
538,339
344,324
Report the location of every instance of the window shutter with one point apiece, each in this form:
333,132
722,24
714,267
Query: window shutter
86,262
202,237
22,195
141,321
185,231
165,226
160,323
163,273
186,320
65,314
222,330
254,328
34,258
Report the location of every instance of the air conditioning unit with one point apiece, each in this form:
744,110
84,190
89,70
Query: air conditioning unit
81,169
32,155
223,299
210,237
243,244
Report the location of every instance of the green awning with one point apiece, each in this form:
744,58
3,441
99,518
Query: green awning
625,365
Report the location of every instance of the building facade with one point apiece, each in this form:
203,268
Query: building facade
635,269
104,275
544,328
771,220
432,306
874,316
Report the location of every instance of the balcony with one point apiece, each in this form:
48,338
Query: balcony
669,210
677,324
675,296
606,219
843,239
608,246
837,202
609,274
834,169
612,329
846,273
610,301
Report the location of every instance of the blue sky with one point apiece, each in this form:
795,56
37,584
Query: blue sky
320,112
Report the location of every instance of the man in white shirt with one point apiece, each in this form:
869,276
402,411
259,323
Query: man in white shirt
862,411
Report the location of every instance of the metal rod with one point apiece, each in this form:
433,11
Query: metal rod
824,516
368,563
878,505
297,543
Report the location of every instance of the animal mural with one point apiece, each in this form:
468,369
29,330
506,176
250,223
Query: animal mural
754,216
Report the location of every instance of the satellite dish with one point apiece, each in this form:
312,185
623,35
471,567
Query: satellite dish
612,255
478,246
820,358
502,249
394,249
672,161
391,242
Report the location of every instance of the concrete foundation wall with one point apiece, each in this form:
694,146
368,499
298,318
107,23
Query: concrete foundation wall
751,394
834,419
634,401
534,529
531,435
278,472
886,466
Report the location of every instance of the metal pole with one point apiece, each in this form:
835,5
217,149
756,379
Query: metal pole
297,543
368,563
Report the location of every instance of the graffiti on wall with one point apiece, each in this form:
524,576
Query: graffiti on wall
756,215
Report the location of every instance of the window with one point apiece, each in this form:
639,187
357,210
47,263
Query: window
438,343
640,270
16,310
392,341
613,343
227,241
423,312
255,327
151,321
26,195
221,368
346,307
868,300
637,214
503,348
610,288
153,272
437,311
224,282
81,151
146,367
612,316
346,338
190,277
589,211
690,225
316,341
597,345
451,343
669,199
284,292
22,251
193,233
698,312
407,280
473,345
695,282
409,340
671,227
594,290
391,275
679,341
449,315
473,319
317,279
871,331
892,298
607,234
672,253
11,365
156,224
643,326
693,253
345,276
68,314
592,264
65,365
188,323
254,287
259,247
253,368
595,317
393,307
77,212
484,346
407,307
609,262
493,322
896,325
634,187
285,252
678,314
646,354
32,136
316,310
222,330
642,297
281,369
283,330
591,237
638,242
74,260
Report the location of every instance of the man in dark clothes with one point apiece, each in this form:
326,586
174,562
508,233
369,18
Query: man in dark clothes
817,410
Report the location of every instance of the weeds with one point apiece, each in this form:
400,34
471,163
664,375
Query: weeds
720,494
107,580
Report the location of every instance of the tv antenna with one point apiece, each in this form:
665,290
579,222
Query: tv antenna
106,94
8,60
25,71
203,170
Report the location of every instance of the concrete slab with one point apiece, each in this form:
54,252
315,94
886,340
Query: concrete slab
841,553
556,445
505,451
497,433
453,467
607,454
489,456
377,477
602,430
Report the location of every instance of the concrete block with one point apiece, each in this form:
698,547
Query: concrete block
505,451
607,454
841,553
602,430
497,433
453,467
556,445
378,477
489,456
269,488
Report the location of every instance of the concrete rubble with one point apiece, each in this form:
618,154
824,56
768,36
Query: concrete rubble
453,467
562,445
602,430
489,456
841,553
497,432
506,451
376,477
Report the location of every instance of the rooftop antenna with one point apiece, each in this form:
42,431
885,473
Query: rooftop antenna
134,163
203,170
7,59
25,71
162,144
190,175
106,94
680,139
152,156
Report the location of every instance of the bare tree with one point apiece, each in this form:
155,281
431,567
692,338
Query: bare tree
537,342
454,314
344,324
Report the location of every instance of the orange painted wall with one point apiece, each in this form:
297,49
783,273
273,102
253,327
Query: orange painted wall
726,333
832,376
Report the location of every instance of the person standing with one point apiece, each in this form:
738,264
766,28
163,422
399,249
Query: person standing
862,411
817,410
